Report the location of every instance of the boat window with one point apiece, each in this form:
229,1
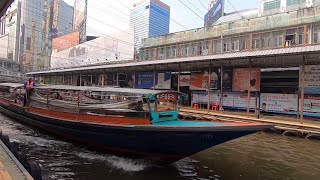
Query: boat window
163,106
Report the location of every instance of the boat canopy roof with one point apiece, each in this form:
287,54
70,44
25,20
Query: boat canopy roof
102,89
13,85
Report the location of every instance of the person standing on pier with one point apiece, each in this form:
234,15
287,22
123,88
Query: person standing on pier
28,85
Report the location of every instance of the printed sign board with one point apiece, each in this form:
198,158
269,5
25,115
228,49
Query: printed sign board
283,103
241,79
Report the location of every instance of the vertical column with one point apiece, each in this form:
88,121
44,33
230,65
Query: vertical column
80,79
154,77
63,79
179,78
302,90
209,85
91,80
221,89
134,80
50,79
118,79
249,87
102,80
71,83
55,79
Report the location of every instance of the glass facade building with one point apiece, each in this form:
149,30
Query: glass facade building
27,30
149,18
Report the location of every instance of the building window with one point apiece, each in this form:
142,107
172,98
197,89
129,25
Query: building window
235,46
256,43
316,34
271,5
295,2
226,47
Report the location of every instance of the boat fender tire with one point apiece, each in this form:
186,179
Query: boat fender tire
23,160
5,140
35,170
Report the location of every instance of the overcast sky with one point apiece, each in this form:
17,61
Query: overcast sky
108,16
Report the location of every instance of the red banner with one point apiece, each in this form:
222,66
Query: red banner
241,79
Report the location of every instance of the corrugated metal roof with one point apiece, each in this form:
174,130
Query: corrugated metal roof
232,55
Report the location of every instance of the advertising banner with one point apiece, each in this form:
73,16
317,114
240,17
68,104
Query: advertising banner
241,79
230,100
199,97
200,81
283,103
163,80
312,103
240,101
311,76
144,80
227,80
184,80
64,42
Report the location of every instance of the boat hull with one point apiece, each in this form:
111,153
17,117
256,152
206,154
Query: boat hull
157,143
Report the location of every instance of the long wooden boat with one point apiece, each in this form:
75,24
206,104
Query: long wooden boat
131,122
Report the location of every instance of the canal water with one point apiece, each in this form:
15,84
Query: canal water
257,156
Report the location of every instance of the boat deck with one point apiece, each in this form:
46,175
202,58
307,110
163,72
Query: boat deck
185,123
10,167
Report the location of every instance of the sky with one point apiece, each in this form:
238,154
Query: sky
109,16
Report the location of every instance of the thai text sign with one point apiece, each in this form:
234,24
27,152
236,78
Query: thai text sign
271,102
311,76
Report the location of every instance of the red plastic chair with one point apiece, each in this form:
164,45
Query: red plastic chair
195,106
215,107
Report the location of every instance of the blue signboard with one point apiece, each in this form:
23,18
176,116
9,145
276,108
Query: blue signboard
214,13
144,80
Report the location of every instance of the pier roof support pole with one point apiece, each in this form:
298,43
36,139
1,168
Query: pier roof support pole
302,89
179,78
71,83
134,80
249,87
102,79
221,89
209,85
63,79
118,79
154,77
80,79
91,80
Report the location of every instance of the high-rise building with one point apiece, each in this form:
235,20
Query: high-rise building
80,18
149,18
268,7
61,18
28,28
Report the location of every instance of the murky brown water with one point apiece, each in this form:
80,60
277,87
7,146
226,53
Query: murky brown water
258,156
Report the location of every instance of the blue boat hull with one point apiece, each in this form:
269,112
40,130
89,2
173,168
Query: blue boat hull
157,143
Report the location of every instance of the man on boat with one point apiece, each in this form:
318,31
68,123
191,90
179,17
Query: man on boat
28,85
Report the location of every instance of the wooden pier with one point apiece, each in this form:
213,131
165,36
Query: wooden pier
287,126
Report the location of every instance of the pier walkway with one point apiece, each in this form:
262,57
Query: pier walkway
307,127
10,167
